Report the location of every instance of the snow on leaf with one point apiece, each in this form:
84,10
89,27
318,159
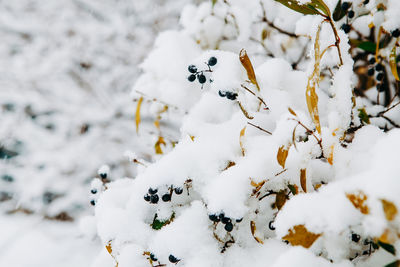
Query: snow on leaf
390,209
300,236
303,179
307,9
393,63
282,155
253,230
358,200
245,60
137,120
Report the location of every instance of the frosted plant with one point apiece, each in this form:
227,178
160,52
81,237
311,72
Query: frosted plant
288,144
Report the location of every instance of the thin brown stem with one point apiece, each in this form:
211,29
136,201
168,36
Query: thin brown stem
251,92
319,141
259,128
337,39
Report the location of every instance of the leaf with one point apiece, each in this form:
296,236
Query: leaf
264,34
294,189
313,80
157,224
245,60
139,104
282,155
303,179
213,2
253,230
338,13
393,264
292,112
303,9
388,247
358,201
330,157
158,144
362,114
300,236
390,209
393,63
280,199
109,248
242,132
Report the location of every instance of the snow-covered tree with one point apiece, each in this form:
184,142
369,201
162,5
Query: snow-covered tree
287,153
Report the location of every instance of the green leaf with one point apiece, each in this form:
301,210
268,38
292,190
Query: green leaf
388,247
292,189
362,114
213,2
157,224
368,46
393,264
338,13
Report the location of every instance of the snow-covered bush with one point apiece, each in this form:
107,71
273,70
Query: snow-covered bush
67,69
288,146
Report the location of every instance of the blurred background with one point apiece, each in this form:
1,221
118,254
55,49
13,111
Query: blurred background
66,70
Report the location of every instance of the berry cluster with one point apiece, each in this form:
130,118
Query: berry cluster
379,68
350,14
153,198
228,222
99,184
227,94
199,74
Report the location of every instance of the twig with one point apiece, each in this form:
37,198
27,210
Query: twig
310,132
251,92
258,127
337,39
272,25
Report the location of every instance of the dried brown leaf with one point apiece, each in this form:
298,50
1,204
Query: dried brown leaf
280,199
300,236
390,209
358,200
282,156
242,132
253,230
303,179
245,60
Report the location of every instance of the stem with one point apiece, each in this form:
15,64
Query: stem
258,127
312,133
337,39
251,92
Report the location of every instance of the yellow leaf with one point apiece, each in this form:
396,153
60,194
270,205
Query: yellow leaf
282,155
157,124
139,104
192,137
109,248
158,144
244,59
330,158
280,199
253,230
242,132
313,80
303,179
393,63
300,236
358,200
390,209
292,112
264,34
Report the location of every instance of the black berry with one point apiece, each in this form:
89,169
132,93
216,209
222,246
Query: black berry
345,6
213,217
226,220
371,72
173,259
7,178
221,216
239,220
271,226
152,257
147,197
153,191
103,175
346,28
92,202
371,60
379,76
212,61
202,79
231,96
93,191
228,227
366,2
221,93
379,67
351,14
166,197
396,33
355,238
154,199
178,190
192,69
191,78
